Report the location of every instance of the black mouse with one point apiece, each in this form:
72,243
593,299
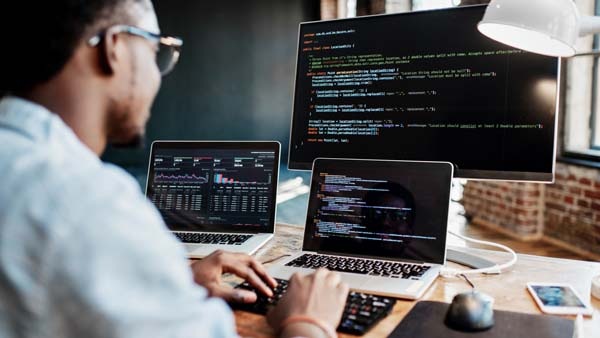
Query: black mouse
470,311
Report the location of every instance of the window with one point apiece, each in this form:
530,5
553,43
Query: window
435,4
595,118
432,4
581,95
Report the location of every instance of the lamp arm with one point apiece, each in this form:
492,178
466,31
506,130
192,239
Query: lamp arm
589,25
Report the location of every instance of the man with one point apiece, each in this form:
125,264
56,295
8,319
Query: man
400,219
82,252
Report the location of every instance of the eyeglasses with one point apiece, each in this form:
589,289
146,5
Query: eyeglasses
398,215
167,54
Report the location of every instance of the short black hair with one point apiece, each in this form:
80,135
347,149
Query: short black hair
41,36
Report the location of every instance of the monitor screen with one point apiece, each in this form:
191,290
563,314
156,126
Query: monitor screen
424,86
382,209
214,186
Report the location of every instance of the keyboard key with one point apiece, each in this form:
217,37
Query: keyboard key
360,266
361,312
206,238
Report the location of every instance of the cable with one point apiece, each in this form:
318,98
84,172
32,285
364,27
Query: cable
274,259
467,280
496,269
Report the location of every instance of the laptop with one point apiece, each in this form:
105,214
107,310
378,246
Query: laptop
217,194
381,224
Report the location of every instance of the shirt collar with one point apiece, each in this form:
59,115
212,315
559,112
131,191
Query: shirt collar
26,117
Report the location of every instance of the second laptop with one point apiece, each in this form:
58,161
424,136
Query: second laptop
216,194
381,224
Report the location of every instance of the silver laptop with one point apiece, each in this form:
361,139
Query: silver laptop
381,224
217,194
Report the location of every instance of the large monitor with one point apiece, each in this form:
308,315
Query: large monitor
424,86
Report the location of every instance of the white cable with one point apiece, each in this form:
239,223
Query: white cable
450,272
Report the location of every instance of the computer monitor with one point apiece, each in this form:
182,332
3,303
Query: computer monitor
424,86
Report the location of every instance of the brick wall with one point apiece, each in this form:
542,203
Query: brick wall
566,213
368,7
573,207
512,208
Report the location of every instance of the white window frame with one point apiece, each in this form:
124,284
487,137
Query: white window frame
418,5
582,100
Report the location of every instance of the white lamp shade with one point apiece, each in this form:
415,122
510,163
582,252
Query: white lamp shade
548,27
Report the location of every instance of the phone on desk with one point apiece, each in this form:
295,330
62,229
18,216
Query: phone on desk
558,299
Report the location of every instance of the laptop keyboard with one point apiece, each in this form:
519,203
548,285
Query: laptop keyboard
207,238
362,311
360,266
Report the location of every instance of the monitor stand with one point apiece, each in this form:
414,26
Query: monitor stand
466,259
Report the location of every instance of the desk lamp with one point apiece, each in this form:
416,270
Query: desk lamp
548,27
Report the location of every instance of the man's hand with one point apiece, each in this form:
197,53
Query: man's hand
207,272
320,295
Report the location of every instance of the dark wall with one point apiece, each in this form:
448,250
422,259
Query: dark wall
235,77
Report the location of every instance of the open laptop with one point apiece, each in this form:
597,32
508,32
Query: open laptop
216,195
381,224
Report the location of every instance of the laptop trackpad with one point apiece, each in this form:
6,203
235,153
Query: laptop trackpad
354,281
386,283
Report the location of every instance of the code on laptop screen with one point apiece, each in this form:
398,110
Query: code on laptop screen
383,208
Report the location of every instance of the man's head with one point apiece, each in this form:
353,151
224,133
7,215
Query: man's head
394,211
51,48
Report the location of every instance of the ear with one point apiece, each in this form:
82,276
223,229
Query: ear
110,54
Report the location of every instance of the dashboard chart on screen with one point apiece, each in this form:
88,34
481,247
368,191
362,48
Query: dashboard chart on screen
195,189
423,86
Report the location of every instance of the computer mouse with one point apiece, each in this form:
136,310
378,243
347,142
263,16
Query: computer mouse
471,311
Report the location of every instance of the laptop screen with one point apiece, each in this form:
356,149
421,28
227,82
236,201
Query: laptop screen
215,186
382,209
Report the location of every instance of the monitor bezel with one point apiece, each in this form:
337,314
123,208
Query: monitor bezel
468,174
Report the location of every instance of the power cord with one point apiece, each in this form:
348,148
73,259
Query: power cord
467,280
496,269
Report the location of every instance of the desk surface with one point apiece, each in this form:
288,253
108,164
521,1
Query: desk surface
507,289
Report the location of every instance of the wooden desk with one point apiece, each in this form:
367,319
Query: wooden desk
508,289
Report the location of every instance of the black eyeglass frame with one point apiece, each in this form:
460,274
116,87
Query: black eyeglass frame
172,42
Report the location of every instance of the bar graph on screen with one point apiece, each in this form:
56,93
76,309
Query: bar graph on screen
248,179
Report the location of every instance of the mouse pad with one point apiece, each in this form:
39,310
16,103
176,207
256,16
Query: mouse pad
426,319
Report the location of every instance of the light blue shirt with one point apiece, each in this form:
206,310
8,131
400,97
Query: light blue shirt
82,251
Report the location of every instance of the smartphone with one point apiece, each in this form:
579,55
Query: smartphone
558,299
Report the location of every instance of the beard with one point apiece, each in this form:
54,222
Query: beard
126,135
125,130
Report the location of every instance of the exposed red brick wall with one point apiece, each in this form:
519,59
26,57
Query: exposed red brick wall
513,207
368,7
567,211
573,207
